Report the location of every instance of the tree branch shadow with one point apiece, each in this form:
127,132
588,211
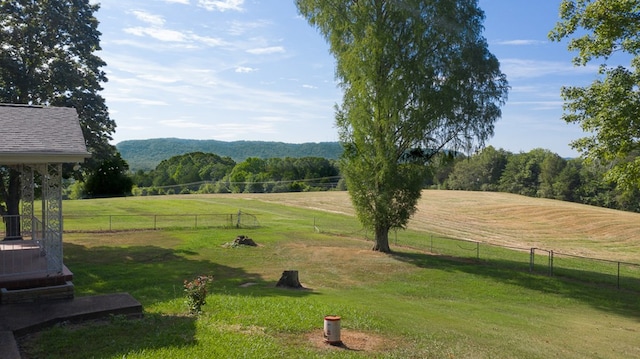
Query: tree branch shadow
605,298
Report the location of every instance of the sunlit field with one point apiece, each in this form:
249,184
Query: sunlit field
409,304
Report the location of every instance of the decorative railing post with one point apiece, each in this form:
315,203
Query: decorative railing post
52,215
27,196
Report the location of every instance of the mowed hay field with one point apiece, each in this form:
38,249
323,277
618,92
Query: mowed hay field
504,219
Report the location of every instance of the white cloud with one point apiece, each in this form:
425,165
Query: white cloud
184,2
245,70
520,42
137,101
266,50
158,34
222,130
209,41
148,18
188,40
524,68
186,124
238,28
159,78
538,105
221,5
271,119
309,86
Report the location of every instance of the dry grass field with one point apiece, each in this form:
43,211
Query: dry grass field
505,219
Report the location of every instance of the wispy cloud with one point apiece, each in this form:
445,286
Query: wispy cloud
184,2
190,39
221,5
180,123
520,42
228,130
245,70
136,100
266,50
309,86
157,33
538,105
524,68
238,28
209,41
148,18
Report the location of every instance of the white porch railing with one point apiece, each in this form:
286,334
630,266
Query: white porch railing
30,253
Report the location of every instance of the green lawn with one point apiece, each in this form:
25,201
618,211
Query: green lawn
406,305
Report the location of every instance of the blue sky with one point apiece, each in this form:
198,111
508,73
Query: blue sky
254,70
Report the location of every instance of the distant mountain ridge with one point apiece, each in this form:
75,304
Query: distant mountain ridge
147,154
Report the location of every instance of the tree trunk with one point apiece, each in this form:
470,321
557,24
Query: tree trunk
289,279
382,240
12,201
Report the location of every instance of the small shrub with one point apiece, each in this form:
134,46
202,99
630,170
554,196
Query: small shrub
196,293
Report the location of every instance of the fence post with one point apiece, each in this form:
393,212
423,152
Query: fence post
550,263
110,222
618,275
155,221
532,256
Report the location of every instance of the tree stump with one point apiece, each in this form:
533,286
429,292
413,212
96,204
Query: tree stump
289,279
246,241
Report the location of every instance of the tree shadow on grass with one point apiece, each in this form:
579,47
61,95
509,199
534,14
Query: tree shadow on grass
113,337
154,274
606,298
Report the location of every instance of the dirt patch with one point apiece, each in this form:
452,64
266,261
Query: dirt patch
352,340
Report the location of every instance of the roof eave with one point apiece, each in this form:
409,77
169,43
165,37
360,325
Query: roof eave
12,158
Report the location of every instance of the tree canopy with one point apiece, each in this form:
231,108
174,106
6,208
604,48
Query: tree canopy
608,109
48,58
416,74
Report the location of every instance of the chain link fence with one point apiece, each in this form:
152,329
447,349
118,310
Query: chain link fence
606,273
123,222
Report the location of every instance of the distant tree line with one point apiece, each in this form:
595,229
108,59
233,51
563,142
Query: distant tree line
537,173
199,172
147,154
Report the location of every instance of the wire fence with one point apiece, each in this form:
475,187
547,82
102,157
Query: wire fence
126,222
605,273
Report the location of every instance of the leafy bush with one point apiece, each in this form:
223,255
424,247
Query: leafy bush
196,293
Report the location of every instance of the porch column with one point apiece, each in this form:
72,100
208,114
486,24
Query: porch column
52,215
27,197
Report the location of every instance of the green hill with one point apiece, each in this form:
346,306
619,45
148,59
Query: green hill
146,154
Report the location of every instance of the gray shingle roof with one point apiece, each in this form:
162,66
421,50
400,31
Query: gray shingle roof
35,134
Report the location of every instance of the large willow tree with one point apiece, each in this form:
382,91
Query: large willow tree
417,78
